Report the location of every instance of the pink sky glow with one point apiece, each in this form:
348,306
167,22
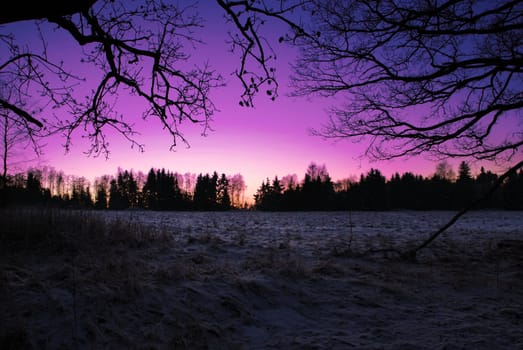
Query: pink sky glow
270,139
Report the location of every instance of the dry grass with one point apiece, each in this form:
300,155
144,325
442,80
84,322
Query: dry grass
59,259
77,279
30,228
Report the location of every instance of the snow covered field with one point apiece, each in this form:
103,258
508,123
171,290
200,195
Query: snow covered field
257,280
310,232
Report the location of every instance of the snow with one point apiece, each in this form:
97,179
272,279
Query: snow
259,280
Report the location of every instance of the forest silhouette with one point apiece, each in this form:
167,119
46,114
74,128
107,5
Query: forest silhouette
161,189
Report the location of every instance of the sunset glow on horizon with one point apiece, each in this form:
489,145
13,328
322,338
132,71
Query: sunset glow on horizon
270,139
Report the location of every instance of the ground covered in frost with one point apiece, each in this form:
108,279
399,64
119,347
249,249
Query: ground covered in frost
250,280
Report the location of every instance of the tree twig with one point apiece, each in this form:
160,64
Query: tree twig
411,254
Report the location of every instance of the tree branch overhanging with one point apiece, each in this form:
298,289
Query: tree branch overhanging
20,112
248,19
411,254
140,48
460,61
34,9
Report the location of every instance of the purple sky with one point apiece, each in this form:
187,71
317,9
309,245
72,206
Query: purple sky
270,139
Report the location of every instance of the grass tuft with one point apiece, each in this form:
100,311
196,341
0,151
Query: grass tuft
59,230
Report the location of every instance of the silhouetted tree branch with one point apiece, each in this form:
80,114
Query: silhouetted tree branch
412,77
440,77
139,49
15,132
248,17
411,254
33,9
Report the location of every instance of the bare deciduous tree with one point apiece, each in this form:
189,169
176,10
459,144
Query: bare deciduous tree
15,133
289,182
444,171
249,21
138,48
237,189
442,77
411,77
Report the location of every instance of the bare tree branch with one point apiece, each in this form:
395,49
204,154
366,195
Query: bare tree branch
256,53
410,77
15,133
20,112
140,48
34,9
411,254
444,78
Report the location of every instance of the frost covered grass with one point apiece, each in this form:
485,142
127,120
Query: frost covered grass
32,228
247,280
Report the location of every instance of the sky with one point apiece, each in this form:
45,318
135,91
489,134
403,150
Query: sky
271,139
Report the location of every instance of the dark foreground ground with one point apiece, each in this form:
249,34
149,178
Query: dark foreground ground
73,281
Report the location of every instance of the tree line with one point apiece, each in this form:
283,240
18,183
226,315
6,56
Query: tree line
159,189
441,191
